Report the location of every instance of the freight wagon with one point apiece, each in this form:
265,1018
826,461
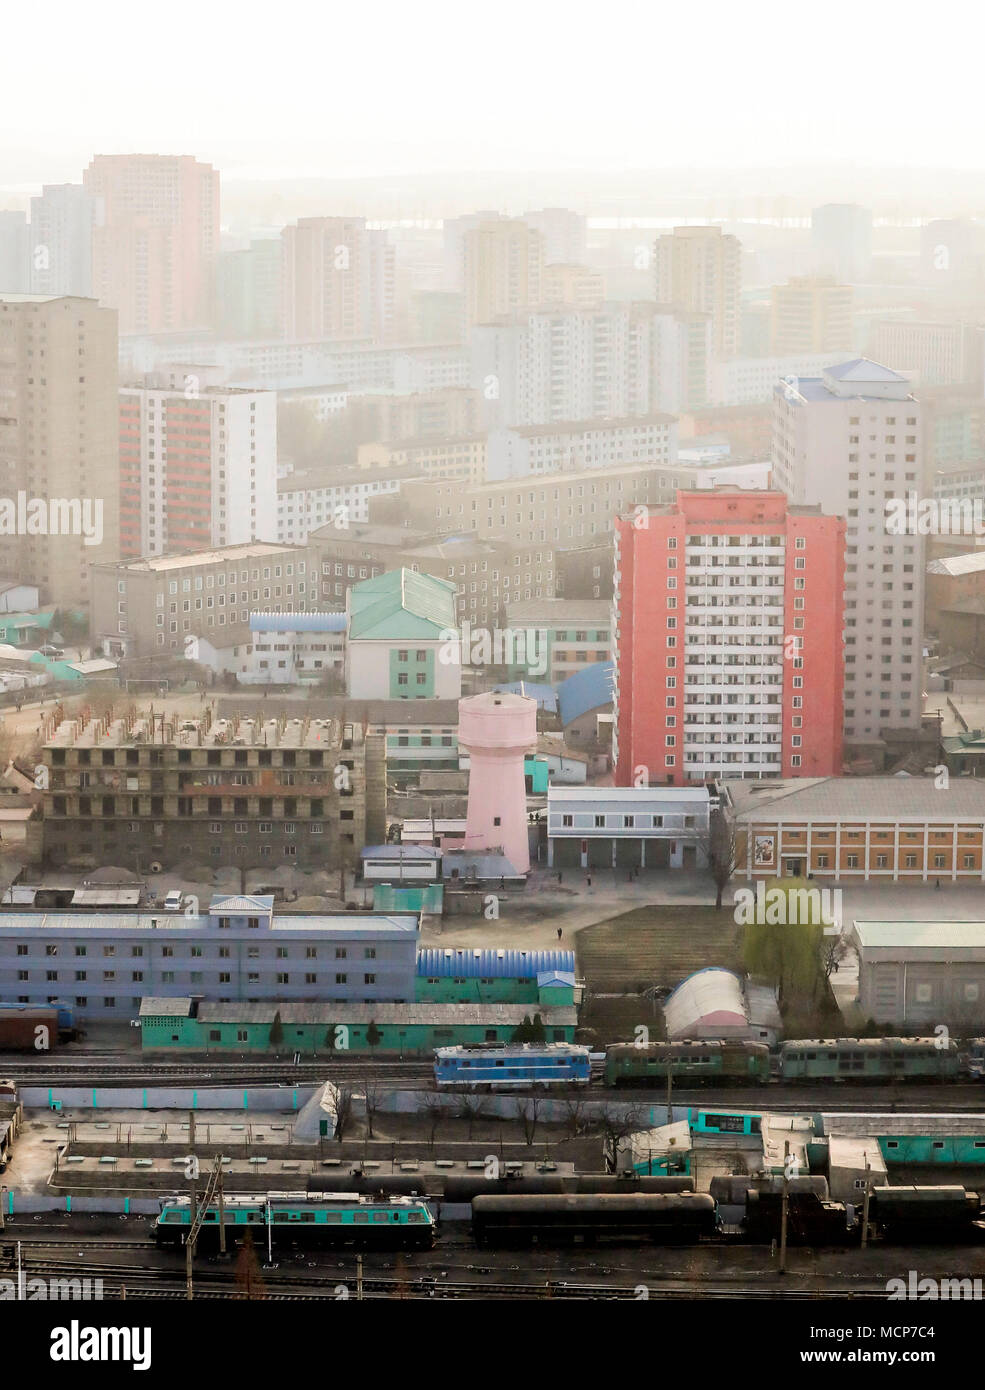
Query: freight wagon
28,1028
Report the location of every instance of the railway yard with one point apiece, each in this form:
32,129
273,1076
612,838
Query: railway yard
103,1144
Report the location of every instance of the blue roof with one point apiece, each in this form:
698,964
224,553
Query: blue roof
547,978
298,622
589,688
545,695
513,964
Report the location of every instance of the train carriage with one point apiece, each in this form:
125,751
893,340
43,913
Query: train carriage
680,1218
690,1063
326,1220
869,1059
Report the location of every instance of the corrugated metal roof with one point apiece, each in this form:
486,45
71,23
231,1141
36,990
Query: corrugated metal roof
445,961
298,622
937,935
153,1006
411,1015
590,688
401,604
709,992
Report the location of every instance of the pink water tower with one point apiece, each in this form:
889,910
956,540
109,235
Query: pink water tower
497,730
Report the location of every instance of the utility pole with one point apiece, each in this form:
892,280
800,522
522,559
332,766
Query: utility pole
192,1208
359,1278
670,1091
865,1206
784,1208
199,1213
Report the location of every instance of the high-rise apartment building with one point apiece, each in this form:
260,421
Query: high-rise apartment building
851,441
567,364
841,241
810,315
58,441
198,466
62,223
154,250
564,234
250,292
338,280
15,258
699,270
727,640
503,269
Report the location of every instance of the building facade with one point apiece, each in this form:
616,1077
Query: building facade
861,830
851,442
628,827
198,466
727,640
155,241
699,270
59,441
251,791
237,950
164,603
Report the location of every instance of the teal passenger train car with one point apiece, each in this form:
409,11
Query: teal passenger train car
325,1220
869,1059
696,1063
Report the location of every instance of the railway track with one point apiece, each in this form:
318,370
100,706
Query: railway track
138,1281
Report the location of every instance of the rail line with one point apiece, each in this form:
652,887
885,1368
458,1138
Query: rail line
140,1282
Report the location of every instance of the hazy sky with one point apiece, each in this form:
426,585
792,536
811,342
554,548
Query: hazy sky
427,85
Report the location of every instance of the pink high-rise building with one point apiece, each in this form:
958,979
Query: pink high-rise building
155,243
496,730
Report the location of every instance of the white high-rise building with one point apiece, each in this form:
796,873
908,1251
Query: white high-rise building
563,232
567,364
851,440
841,241
198,466
62,222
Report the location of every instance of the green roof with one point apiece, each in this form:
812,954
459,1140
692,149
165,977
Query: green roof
41,619
401,604
971,742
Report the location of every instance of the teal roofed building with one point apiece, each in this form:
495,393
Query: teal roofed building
403,639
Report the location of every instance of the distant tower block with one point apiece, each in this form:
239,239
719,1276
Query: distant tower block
497,730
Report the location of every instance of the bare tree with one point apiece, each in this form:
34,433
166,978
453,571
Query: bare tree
472,1106
373,1092
343,1109
573,1100
720,847
529,1115
834,951
431,1105
614,1122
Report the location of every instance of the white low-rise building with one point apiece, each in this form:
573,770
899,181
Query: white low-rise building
628,827
294,648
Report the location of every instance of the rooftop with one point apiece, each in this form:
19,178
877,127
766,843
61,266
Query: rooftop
959,564
249,550
858,798
149,728
561,611
938,936
401,604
